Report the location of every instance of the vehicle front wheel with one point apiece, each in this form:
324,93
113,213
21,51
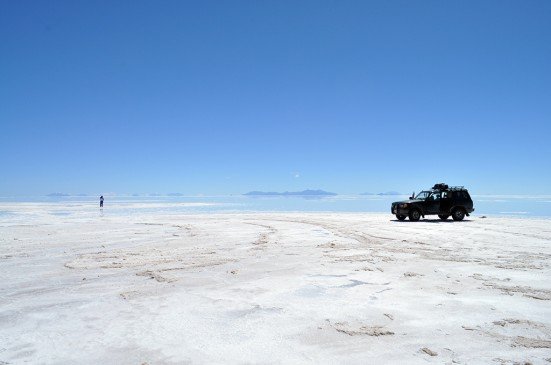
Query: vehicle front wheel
458,214
443,216
414,215
400,217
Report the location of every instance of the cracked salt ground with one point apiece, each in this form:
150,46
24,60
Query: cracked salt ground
271,288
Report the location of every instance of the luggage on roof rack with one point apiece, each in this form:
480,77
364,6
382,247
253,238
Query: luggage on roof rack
440,186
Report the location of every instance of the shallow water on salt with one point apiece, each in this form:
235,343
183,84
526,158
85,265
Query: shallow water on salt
503,205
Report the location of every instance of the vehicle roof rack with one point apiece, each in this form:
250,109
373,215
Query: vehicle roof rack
457,188
442,186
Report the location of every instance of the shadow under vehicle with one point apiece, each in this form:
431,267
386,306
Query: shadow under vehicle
441,200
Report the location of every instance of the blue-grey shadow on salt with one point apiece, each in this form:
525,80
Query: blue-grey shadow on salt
353,283
61,214
311,291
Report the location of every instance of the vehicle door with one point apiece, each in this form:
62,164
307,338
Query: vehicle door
432,204
446,202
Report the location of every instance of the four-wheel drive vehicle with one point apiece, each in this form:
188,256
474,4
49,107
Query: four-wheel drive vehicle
441,199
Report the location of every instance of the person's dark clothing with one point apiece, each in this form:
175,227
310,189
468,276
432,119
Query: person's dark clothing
101,201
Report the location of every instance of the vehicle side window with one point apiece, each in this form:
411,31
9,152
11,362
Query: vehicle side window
461,195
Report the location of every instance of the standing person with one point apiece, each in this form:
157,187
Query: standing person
101,201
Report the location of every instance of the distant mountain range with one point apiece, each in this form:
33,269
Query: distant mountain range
387,193
291,193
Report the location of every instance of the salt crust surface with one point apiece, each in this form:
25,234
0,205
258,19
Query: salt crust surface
80,286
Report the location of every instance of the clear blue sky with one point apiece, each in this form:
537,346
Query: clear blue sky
220,97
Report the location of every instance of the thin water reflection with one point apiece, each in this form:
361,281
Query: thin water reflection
513,205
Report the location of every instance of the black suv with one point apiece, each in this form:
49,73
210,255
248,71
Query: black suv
441,199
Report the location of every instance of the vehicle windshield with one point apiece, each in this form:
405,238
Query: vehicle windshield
423,195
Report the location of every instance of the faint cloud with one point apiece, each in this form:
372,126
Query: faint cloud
296,174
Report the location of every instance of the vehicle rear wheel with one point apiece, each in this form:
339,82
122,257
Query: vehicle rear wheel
400,217
458,214
414,215
443,216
